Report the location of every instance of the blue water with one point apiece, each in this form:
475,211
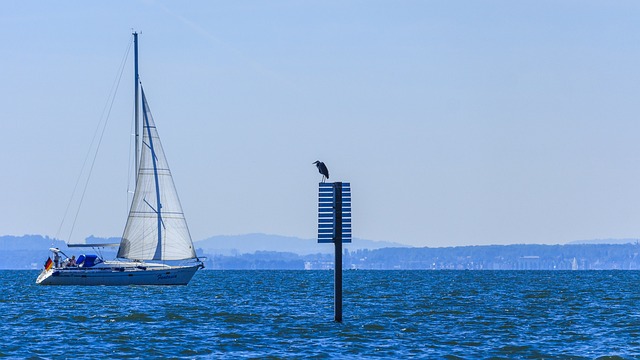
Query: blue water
389,314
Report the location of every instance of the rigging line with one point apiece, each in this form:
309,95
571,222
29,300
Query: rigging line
131,166
84,163
108,107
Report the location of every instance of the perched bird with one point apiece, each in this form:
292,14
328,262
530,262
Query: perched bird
322,169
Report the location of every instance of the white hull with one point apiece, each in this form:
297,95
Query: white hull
113,273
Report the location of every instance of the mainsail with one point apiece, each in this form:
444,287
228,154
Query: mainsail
156,228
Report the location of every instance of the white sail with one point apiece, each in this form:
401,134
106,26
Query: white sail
156,228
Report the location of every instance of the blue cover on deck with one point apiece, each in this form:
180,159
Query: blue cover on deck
88,260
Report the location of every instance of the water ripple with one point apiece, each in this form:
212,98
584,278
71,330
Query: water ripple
388,314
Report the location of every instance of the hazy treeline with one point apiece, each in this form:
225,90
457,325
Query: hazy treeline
492,257
31,251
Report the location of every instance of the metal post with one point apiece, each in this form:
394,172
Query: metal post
337,239
137,101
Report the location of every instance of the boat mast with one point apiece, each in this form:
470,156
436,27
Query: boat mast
137,101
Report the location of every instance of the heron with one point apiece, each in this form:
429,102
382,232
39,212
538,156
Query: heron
322,169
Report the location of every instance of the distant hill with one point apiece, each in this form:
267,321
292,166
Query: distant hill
99,240
262,251
26,252
28,242
31,251
250,243
605,241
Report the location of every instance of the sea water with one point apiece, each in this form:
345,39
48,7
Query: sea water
387,314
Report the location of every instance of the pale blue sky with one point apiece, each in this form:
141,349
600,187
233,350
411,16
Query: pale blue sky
456,122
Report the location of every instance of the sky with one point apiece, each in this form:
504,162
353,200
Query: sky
456,122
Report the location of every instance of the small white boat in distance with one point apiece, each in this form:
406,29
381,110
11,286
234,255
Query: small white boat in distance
156,246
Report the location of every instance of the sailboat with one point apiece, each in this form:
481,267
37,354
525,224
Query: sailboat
156,246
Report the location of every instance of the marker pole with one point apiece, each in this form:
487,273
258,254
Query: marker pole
337,204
